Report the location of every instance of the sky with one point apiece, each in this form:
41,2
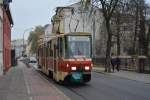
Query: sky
30,13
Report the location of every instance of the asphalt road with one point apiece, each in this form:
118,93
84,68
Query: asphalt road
106,87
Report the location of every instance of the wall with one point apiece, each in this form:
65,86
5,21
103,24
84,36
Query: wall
7,41
18,46
1,41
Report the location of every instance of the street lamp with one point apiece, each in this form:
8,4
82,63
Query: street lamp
29,29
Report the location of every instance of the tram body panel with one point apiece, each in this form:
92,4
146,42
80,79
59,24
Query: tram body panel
67,57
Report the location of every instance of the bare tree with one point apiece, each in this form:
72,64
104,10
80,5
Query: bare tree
142,34
108,7
118,16
122,16
138,11
148,39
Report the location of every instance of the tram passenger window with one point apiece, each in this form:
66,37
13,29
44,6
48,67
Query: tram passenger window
47,52
49,49
66,48
61,47
51,52
40,52
44,52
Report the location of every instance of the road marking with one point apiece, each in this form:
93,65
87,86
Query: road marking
28,87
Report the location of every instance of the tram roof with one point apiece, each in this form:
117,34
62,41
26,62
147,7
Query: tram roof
54,36
63,34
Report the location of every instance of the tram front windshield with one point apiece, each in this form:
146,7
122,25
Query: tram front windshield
79,46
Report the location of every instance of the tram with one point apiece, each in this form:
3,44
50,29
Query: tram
67,57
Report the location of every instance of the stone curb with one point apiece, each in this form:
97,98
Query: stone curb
121,77
99,71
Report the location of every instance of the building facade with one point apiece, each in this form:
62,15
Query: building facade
6,23
48,29
74,18
1,37
18,46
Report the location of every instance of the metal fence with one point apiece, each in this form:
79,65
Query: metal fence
139,64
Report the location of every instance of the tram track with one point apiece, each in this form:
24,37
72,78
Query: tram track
75,92
101,87
63,86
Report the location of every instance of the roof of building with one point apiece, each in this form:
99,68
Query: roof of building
8,12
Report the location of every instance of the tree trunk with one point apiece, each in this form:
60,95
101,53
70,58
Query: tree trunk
142,38
118,43
147,42
135,34
108,49
142,35
118,34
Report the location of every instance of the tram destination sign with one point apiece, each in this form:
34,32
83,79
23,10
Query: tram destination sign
78,38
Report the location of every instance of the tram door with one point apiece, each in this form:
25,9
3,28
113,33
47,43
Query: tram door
55,58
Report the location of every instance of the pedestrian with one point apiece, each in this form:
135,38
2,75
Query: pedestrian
118,63
113,62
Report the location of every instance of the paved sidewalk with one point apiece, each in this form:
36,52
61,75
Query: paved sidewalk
127,74
22,83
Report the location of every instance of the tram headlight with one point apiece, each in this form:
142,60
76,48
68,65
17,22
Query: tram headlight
73,68
67,65
87,68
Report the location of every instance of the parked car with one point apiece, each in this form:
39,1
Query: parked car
21,58
33,62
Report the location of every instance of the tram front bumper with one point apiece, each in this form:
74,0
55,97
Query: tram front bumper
76,77
79,77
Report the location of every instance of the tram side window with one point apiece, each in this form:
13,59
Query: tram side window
60,47
46,51
66,48
39,53
42,51
51,52
50,49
